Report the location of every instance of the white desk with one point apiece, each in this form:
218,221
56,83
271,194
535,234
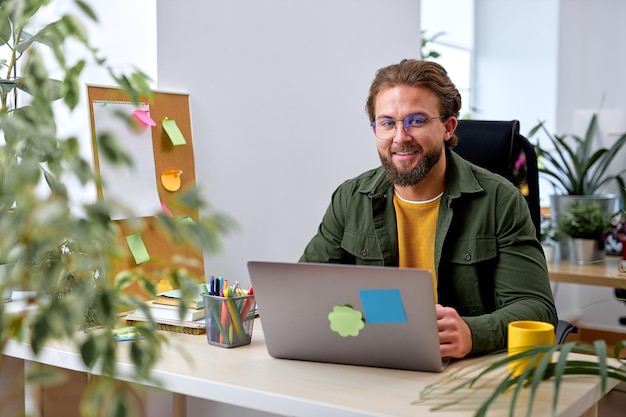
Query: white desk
248,376
603,273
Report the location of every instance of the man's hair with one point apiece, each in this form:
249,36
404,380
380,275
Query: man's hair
415,73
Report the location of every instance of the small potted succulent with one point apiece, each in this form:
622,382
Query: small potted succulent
587,226
549,239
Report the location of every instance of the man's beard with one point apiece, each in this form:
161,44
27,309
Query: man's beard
412,177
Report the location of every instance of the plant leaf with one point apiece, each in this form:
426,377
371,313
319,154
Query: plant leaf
538,375
5,29
600,346
559,369
87,10
459,387
88,351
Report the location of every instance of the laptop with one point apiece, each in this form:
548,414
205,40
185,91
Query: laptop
347,314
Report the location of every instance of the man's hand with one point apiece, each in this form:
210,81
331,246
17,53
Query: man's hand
455,336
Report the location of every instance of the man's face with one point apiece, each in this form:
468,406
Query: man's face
410,155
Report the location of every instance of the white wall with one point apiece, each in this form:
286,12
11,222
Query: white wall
515,65
592,61
277,91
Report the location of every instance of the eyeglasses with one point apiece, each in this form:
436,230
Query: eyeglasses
385,128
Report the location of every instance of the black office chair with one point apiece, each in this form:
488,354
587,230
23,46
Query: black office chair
620,294
499,147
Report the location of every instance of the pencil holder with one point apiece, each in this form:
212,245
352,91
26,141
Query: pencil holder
229,320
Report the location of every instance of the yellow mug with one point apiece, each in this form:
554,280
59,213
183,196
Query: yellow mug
524,334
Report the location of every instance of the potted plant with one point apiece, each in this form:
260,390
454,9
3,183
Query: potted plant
619,235
549,236
577,170
619,229
62,249
586,223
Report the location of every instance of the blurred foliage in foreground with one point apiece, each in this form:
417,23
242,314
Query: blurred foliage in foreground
56,248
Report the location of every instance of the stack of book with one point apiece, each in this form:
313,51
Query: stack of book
172,298
164,310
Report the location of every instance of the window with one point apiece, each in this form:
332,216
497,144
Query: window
451,35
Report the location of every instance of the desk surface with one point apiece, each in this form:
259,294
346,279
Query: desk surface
249,377
604,273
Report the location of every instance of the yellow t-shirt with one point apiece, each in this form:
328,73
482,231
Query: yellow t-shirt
417,225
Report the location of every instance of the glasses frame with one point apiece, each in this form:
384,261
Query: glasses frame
404,124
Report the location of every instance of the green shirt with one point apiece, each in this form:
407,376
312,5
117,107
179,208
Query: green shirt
490,265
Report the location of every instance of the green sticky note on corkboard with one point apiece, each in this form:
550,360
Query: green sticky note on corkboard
138,248
176,136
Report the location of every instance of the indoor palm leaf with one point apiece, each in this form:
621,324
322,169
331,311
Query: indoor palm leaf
573,167
494,380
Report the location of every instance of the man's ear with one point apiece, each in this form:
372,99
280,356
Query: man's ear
450,125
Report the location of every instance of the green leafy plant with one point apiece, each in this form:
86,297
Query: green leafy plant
490,378
425,42
583,220
63,251
573,167
619,231
619,225
549,233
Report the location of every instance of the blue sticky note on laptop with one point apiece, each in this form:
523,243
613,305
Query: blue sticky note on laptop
382,306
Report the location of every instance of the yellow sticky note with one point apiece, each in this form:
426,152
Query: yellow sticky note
137,248
176,136
171,179
164,285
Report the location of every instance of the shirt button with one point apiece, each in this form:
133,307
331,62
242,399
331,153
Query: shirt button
363,252
468,257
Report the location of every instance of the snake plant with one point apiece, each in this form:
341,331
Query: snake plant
574,166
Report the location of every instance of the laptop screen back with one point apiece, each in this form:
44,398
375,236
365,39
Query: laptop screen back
347,314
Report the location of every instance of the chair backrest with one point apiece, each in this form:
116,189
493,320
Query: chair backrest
499,147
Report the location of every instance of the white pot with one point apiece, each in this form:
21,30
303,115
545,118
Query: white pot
548,251
585,251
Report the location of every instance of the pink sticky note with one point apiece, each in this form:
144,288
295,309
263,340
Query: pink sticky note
144,117
165,209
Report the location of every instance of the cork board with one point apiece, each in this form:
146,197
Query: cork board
166,157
